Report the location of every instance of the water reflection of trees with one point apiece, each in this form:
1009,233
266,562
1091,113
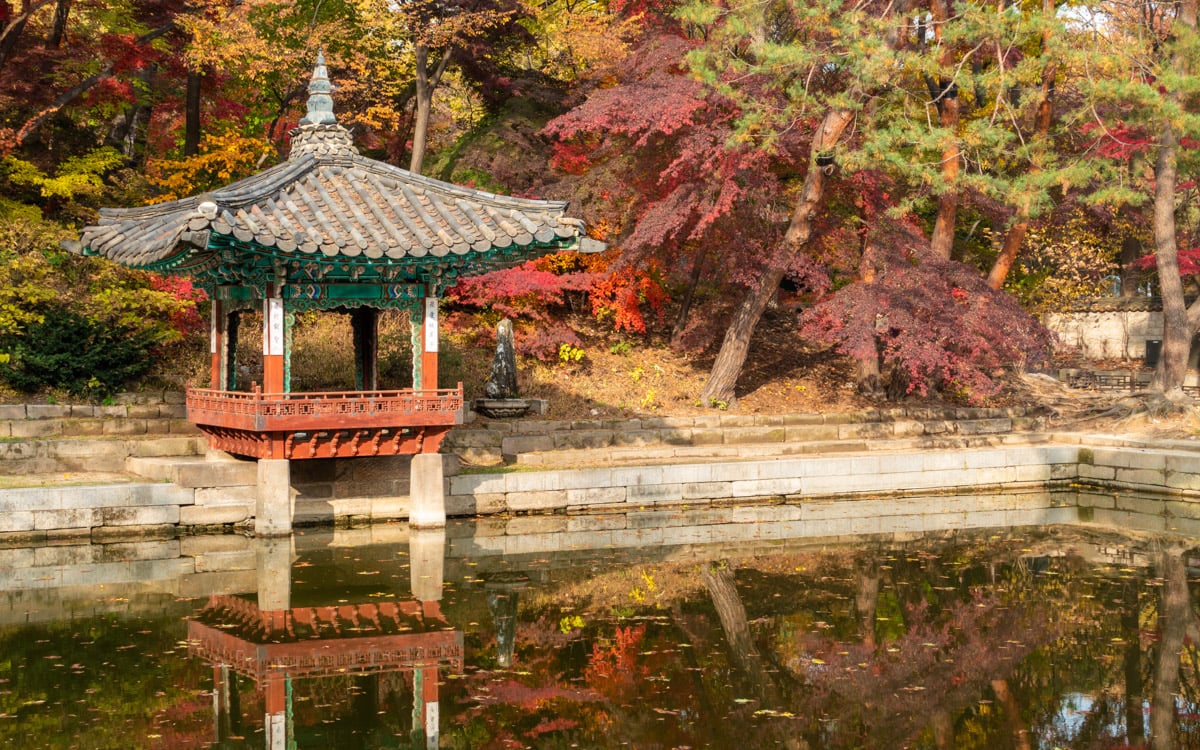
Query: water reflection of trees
968,646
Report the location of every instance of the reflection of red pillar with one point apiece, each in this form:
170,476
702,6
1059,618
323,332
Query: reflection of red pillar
221,702
275,721
426,714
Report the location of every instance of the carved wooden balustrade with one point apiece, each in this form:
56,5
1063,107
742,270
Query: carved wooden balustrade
332,424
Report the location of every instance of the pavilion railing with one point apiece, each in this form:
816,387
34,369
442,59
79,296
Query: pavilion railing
327,410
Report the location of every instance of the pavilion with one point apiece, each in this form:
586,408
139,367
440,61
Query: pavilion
329,229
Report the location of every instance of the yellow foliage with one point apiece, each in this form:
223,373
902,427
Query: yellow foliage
222,159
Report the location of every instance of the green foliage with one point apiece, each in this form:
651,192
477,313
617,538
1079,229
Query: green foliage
65,350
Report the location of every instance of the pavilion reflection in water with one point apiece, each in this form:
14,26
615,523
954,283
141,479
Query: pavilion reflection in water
274,644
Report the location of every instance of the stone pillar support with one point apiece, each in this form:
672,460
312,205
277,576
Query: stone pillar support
427,492
275,503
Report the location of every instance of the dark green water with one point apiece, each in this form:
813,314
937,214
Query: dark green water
1068,637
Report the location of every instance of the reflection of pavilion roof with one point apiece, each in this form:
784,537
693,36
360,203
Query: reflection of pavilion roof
320,641
328,204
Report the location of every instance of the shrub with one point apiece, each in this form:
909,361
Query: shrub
67,351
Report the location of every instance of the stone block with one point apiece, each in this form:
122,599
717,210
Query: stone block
707,490
701,436
589,523
143,411
530,426
12,411
116,411
182,427
870,430
983,426
73,518
1148,477
86,426
125,427
651,494
638,437
47,411
58,555
686,473
764,487
217,473
679,535
19,520
677,437
460,438
1088,472
537,501
174,397
35,428
596,496
754,435
633,476
636,537
583,439
512,446
214,515
474,505
1064,472
809,432
138,516
1129,458
1184,481
172,411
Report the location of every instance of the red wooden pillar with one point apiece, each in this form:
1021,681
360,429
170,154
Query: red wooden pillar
216,344
429,343
273,340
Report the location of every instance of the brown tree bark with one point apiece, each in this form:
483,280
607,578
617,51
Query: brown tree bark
1015,236
685,307
736,345
426,82
1131,632
58,27
1177,335
1131,250
1174,613
191,117
945,96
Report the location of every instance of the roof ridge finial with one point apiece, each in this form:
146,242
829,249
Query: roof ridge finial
320,103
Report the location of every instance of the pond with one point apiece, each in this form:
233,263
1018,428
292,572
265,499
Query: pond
1059,636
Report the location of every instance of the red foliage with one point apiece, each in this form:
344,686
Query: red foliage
186,319
1189,261
1118,141
935,321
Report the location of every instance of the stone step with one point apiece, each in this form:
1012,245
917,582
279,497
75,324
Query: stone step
47,456
175,424
593,457
212,470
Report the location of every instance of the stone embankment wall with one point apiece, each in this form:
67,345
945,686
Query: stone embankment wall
794,462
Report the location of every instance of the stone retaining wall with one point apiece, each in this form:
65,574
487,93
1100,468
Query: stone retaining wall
493,442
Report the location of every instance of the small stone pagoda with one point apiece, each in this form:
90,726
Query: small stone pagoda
329,229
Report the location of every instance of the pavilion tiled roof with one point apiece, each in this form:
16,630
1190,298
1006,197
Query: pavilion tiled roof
327,201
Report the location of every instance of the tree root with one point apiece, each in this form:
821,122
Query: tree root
1074,408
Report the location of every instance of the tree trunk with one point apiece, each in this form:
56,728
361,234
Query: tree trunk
1016,233
58,27
191,128
1018,731
942,241
946,99
426,82
1177,335
1174,610
736,345
866,600
686,307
